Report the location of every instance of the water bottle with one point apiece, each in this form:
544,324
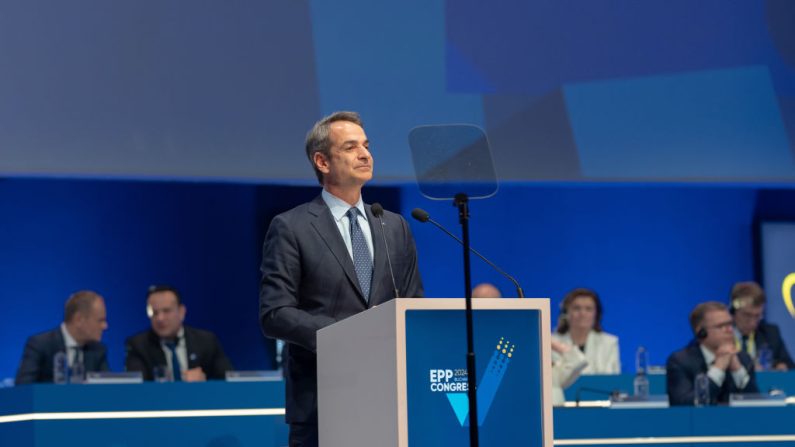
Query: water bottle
78,373
701,390
60,368
641,382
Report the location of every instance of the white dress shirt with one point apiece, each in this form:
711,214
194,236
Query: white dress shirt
182,351
339,208
71,346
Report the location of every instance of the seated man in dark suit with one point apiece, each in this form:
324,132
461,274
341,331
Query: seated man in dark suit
78,337
712,353
189,354
759,339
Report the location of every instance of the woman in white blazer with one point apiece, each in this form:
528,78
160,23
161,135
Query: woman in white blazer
580,325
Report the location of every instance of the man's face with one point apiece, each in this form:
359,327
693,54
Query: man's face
747,318
349,162
91,324
718,324
165,313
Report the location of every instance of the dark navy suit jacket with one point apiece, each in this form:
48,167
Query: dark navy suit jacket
683,367
37,359
309,282
769,335
204,350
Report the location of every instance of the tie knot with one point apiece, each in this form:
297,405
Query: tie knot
353,213
172,345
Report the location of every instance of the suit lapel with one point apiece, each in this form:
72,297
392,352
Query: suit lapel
193,357
380,266
324,224
157,350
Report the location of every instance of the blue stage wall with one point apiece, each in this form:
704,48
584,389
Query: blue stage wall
651,251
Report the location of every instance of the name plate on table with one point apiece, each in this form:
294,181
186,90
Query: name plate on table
758,400
254,376
635,402
108,377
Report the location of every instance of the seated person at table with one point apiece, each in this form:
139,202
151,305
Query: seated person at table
580,325
566,369
568,362
752,334
712,352
189,354
78,336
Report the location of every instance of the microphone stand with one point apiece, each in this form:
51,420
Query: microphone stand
462,202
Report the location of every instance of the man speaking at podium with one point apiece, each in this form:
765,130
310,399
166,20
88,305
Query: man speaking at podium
326,260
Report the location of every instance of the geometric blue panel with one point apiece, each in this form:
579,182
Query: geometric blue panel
699,125
387,61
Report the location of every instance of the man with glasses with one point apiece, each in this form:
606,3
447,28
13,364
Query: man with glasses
754,336
713,353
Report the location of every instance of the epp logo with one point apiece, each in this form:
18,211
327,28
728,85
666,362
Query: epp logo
487,388
448,380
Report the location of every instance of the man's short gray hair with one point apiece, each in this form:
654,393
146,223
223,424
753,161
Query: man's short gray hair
318,139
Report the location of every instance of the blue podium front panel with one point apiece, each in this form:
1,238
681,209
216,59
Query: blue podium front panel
508,373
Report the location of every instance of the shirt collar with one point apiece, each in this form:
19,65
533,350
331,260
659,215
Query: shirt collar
180,336
68,340
709,356
339,207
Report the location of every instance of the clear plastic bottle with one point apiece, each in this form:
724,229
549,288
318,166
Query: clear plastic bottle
60,368
77,374
641,382
701,390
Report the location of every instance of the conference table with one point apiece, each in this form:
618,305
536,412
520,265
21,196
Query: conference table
237,414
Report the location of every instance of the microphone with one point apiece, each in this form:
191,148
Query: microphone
613,394
423,216
378,212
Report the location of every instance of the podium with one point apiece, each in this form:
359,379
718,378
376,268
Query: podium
395,375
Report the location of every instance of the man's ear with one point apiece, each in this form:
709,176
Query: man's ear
321,162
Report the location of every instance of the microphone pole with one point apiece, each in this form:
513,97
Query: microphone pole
378,212
462,202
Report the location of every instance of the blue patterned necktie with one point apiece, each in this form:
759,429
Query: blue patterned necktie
361,254
175,369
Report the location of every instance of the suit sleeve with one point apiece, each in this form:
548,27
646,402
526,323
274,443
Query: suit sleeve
221,363
411,284
280,313
567,368
748,364
679,382
134,361
780,353
103,361
29,367
613,360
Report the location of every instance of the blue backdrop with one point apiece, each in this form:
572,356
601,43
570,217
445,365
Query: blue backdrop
188,119
651,251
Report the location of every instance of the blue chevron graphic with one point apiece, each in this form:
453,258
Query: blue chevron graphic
488,386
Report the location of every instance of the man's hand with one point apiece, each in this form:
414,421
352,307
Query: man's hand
726,358
194,375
